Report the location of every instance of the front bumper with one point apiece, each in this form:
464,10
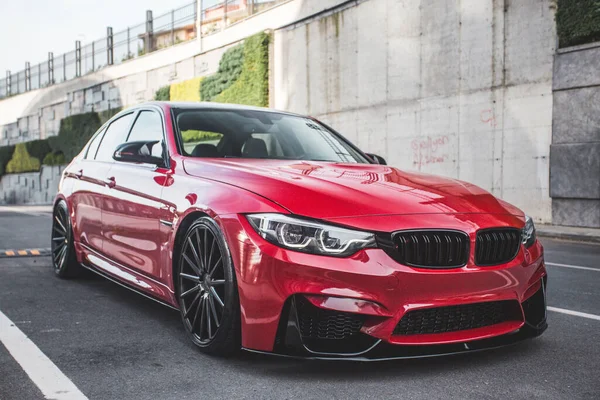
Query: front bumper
273,282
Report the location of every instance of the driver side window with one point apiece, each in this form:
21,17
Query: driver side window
148,127
114,136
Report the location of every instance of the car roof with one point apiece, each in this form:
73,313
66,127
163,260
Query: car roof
196,105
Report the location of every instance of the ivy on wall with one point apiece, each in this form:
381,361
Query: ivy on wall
75,131
230,69
186,91
38,148
578,22
252,86
163,94
21,161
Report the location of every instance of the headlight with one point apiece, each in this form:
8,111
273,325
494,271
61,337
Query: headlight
310,237
528,233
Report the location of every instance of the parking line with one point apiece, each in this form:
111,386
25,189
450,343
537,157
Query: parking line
572,266
41,370
575,313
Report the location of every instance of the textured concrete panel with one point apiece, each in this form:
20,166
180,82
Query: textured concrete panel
577,69
576,115
530,33
576,212
574,170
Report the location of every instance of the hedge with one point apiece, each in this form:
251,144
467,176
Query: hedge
163,94
252,86
199,136
6,153
75,131
54,159
21,161
230,69
186,91
38,148
578,22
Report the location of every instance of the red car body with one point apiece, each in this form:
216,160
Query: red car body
125,219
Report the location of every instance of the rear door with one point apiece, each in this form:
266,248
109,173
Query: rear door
89,189
133,206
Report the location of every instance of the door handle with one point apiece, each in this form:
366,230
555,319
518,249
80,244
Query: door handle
79,174
110,182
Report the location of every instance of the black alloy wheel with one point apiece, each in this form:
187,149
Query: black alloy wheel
207,289
63,251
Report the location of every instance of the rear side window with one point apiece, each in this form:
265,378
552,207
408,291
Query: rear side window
115,135
148,127
93,147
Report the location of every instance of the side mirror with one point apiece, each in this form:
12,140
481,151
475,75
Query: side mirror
377,159
137,152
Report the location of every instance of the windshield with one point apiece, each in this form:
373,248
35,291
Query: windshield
259,134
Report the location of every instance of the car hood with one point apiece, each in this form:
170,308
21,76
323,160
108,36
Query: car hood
331,190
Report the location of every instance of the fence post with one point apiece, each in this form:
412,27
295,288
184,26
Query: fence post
109,46
50,68
8,83
27,76
224,15
93,57
77,58
129,55
39,75
172,27
251,7
149,31
64,67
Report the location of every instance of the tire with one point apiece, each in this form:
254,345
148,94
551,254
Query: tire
64,259
206,289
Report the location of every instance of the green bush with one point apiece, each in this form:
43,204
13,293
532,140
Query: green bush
21,161
186,91
230,69
163,94
6,153
54,159
252,86
75,131
38,148
578,22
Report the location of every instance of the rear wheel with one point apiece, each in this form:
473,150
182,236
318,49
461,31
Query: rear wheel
64,259
207,289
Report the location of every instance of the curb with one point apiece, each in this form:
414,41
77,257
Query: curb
573,237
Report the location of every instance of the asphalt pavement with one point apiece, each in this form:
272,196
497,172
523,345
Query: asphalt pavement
113,344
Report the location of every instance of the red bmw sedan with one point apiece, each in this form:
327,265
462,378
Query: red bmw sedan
271,232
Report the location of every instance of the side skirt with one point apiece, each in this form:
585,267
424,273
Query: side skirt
125,277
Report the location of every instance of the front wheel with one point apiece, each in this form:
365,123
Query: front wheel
207,289
64,259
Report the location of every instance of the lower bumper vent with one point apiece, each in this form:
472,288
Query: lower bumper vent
458,318
318,323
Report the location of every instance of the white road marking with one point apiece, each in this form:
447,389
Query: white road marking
575,313
572,266
40,369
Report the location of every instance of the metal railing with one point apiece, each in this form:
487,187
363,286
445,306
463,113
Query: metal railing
177,26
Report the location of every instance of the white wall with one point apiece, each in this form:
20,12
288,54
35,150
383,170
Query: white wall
457,88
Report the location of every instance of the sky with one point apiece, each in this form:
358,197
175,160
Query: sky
32,28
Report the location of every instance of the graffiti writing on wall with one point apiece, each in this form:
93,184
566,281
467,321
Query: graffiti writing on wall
430,150
489,118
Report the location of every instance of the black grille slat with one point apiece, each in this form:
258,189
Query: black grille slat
458,318
428,248
496,246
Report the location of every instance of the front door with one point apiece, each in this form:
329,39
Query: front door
132,205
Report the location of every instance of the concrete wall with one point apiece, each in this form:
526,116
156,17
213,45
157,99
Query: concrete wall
31,188
457,88
575,150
